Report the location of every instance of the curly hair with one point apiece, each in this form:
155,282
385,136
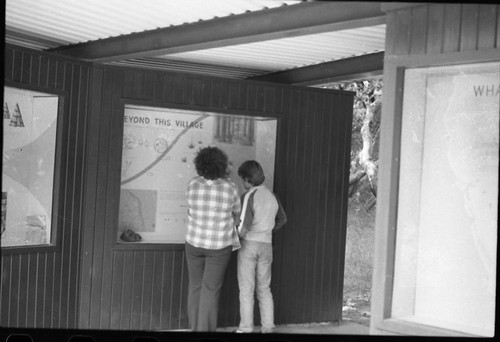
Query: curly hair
251,171
211,163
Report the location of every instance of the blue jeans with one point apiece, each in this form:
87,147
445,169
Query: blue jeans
206,269
254,275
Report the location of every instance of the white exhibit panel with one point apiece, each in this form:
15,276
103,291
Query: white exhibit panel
29,144
447,217
159,147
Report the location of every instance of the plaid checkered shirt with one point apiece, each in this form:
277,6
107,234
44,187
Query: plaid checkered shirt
213,207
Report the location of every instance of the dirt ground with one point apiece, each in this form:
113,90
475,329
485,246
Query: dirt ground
356,308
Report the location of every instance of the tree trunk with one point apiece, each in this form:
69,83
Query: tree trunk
364,155
356,177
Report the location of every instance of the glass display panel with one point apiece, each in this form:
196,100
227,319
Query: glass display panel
159,146
446,240
29,142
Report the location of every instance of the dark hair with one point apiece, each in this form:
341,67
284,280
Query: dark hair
211,163
252,172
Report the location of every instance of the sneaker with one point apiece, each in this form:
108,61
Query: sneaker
266,330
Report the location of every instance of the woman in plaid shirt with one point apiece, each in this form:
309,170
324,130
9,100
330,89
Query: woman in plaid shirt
214,209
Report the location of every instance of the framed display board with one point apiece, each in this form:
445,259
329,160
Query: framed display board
159,146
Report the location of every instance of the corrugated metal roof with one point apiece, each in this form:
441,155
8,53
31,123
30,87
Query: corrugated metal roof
64,22
254,59
190,67
45,24
287,53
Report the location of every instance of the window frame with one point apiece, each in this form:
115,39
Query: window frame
382,321
57,198
171,246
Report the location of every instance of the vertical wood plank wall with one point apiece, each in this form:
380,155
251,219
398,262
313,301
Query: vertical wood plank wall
40,289
437,29
418,36
88,283
145,288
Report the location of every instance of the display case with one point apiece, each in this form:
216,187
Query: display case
447,210
159,146
30,123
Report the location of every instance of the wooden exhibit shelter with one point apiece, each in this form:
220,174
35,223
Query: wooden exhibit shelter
89,281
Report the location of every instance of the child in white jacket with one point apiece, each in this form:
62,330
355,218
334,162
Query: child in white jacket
261,215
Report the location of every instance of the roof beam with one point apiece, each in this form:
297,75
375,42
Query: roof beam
366,66
22,37
286,21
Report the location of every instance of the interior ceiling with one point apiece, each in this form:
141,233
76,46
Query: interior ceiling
310,43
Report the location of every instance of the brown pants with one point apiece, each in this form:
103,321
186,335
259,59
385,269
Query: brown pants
206,269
